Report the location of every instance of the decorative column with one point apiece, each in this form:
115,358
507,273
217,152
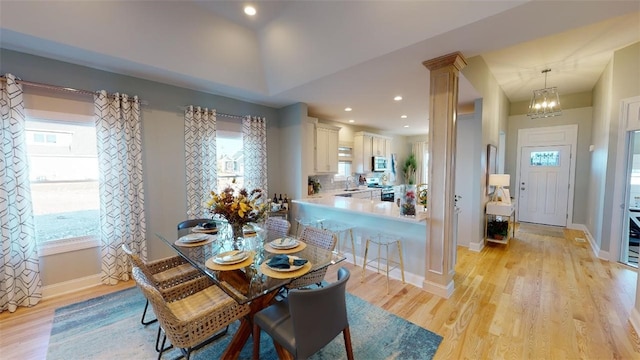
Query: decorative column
443,100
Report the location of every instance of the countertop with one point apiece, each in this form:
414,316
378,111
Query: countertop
383,209
334,192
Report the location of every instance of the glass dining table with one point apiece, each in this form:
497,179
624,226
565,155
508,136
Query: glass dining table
250,280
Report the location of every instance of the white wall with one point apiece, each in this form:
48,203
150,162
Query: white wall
468,143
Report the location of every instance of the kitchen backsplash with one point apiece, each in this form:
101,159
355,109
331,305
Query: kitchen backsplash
328,184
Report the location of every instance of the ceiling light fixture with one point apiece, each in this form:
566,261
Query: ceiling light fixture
403,116
352,121
397,98
348,109
545,102
249,10
406,126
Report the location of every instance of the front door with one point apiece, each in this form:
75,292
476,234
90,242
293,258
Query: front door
544,184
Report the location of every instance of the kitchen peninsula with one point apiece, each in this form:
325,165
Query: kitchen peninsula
370,217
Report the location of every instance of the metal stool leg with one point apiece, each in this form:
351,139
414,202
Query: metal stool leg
353,247
401,262
364,265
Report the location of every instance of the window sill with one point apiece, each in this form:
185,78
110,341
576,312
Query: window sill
67,245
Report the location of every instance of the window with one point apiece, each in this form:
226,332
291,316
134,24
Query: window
63,169
344,162
545,158
230,159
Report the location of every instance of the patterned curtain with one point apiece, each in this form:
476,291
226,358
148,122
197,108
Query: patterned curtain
200,157
420,149
254,146
20,283
122,219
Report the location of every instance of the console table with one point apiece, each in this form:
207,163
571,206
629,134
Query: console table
496,215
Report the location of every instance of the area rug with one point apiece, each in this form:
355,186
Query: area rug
541,230
108,327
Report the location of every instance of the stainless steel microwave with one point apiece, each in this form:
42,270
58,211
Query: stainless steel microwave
379,163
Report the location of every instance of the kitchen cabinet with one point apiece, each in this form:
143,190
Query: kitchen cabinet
326,148
367,145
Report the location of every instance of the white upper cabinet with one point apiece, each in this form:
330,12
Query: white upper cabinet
365,147
326,146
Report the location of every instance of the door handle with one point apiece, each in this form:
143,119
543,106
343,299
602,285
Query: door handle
522,188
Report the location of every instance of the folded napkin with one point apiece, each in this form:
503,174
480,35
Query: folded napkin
208,225
284,262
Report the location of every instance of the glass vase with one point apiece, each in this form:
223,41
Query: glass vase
408,201
237,235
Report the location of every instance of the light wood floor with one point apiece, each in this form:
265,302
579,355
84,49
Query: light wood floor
540,298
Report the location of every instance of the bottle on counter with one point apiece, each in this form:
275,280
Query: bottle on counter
275,198
285,202
280,199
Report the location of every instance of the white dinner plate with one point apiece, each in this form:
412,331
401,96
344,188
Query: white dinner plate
284,243
291,267
200,229
231,257
191,238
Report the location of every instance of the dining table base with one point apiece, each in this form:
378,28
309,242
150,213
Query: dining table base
246,326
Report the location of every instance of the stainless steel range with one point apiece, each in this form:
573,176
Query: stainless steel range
387,190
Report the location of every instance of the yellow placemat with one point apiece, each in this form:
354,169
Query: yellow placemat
210,239
285,274
273,250
215,266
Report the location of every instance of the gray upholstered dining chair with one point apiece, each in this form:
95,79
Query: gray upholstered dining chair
192,314
277,227
184,226
321,238
306,321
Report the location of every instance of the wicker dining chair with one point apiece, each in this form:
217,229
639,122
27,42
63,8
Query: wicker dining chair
164,273
321,238
307,321
277,227
192,314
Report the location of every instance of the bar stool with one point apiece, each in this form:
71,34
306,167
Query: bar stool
382,239
306,222
343,233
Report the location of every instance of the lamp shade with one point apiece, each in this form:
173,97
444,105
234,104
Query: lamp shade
499,180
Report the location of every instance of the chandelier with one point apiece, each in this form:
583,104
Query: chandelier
545,102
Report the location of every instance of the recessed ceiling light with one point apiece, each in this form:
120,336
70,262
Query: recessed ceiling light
348,109
403,116
397,98
352,121
406,126
249,10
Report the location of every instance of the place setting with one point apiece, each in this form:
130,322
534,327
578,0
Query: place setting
283,266
285,245
230,260
205,228
195,239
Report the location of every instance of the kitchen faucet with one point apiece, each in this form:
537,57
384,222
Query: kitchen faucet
349,178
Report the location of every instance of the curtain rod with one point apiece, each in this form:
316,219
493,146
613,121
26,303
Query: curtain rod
61,88
231,116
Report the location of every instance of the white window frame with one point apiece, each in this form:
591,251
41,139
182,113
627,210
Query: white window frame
60,246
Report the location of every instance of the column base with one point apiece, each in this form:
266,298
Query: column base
438,289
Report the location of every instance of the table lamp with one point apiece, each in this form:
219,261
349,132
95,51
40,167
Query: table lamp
500,181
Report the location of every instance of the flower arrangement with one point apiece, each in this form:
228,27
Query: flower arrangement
408,201
237,210
314,186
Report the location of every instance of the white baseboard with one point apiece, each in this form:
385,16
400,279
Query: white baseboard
70,286
438,289
476,246
634,319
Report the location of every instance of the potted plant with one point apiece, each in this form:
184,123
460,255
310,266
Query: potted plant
409,169
314,186
497,229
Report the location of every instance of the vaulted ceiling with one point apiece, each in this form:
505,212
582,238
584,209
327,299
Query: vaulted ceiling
329,54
